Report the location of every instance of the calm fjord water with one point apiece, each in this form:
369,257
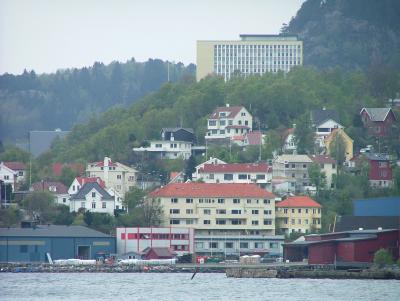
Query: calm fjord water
159,287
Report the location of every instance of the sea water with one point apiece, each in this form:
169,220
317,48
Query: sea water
172,286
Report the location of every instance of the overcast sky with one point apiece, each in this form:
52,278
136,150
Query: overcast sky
46,35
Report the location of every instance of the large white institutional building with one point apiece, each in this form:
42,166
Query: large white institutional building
253,54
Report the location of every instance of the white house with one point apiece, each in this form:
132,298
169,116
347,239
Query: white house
58,189
12,173
289,144
229,123
114,174
168,149
195,175
324,129
78,182
92,197
258,173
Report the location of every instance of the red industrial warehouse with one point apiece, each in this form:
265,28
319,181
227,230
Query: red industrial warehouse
357,246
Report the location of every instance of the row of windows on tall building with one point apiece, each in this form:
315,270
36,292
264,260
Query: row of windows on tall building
219,201
242,245
234,222
221,211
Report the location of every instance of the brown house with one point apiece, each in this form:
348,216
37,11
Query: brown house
158,253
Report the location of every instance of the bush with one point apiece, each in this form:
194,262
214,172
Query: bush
383,257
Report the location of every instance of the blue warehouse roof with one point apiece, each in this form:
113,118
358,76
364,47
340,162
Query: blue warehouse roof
52,231
385,206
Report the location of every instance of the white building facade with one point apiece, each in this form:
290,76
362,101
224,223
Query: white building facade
228,123
252,55
12,173
114,174
168,149
136,239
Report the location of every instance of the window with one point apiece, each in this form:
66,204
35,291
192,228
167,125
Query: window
229,245
213,245
212,122
242,177
236,222
64,200
293,221
23,248
299,221
93,205
299,210
228,177
255,211
248,201
267,212
285,210
273,245
304,165
206,222
93,194
230,122
73,187
260,177
189,201
131,178
221,201
222,122
174,222
189,211
189,222
268,222
174,201
293,165
221,211
382,164
236,211
306,210
174,211
287,165
258,245
83,205
292,210
119,177
221,222
293,175
254,223
244,245
236,201
20,173
267,201
304,176
158,145
207,211
201,201
306,221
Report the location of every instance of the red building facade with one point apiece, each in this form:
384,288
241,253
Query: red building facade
380,172
344,247
378,121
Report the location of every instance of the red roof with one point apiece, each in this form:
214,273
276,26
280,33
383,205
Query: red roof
322,159
15,165
211,190
101,163
236,167
287,132
60,188
298,201
58,167
232,110
254,138
83,180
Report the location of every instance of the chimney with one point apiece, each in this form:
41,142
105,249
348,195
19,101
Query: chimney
105,169
227,105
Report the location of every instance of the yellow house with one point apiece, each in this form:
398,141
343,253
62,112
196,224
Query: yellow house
348,142
298,214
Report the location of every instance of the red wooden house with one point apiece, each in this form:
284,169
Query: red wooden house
378,121
158,253
380,172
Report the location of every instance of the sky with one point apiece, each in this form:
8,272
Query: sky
47,35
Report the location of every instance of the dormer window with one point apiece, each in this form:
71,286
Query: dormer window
93,194
222,114
52,188
243,114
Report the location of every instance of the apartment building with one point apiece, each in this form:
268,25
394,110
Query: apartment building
217,208
328,167
257,173
114,174
294,167
229,123
253,54
298,214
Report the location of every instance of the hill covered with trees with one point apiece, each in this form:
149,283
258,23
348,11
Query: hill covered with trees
351,34
61,100
275,100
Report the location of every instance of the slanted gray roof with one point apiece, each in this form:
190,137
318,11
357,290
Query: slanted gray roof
52,231
377,157
377,114
190,130
87,188
320,116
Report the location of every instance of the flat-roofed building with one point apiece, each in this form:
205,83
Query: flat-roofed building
298,214
253,54
217,208
137,239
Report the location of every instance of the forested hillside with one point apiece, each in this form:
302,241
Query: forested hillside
352,34
48,101
275,100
